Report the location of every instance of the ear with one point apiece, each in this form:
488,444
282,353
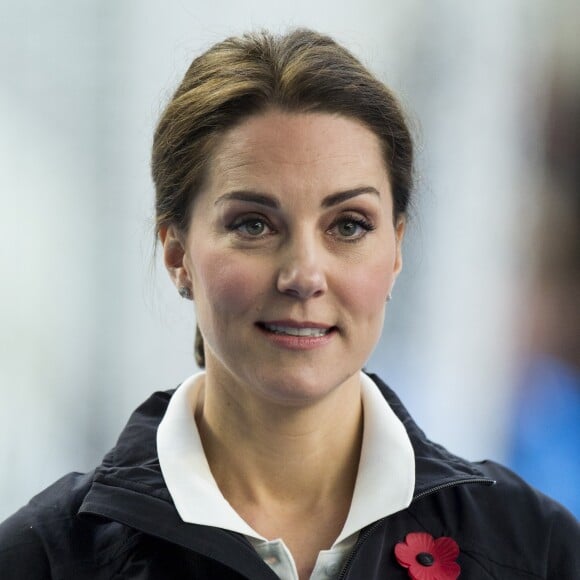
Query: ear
399,235
173,242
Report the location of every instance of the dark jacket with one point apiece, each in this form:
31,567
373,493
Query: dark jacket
119,522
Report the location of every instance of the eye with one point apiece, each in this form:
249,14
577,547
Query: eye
251,227
352,228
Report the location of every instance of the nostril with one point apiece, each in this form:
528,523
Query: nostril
302,283
292,292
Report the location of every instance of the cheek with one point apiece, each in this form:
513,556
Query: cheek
227,284
364,288
370,290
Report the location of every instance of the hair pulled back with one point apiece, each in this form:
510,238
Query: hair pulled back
302,71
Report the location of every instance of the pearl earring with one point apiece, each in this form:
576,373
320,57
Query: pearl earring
185,292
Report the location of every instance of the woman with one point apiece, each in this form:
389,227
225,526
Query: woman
283,173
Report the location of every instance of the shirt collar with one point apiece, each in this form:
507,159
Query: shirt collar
384,484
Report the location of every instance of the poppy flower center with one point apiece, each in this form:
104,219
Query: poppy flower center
425,559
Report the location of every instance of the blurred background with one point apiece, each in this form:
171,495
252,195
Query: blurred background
481,339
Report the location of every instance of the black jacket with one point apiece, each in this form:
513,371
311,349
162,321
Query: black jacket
119,522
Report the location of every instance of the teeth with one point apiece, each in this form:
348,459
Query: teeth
293,331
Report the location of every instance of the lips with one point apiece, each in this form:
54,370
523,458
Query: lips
300,329
296,331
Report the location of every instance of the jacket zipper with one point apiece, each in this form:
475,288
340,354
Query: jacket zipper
364,536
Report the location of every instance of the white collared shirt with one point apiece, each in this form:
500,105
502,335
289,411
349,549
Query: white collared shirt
384,484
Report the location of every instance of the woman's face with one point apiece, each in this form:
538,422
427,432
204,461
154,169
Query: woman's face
291,252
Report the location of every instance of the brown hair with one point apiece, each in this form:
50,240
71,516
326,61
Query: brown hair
302,71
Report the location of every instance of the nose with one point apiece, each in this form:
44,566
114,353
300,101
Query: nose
301,273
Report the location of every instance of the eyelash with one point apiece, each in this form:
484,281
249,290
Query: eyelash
366,225
237,224
360,221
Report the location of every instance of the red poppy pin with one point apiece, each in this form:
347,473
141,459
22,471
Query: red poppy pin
427,558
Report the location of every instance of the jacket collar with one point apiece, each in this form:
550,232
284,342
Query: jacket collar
128,486
198,499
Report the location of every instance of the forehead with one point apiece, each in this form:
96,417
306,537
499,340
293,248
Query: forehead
282,146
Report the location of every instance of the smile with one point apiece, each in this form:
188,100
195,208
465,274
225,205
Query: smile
296,331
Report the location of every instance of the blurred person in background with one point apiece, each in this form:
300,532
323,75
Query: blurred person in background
545,447
283,172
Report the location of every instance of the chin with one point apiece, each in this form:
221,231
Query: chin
299,389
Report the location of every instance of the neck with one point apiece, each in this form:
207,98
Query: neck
261,453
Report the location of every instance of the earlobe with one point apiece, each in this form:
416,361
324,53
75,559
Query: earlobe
173,243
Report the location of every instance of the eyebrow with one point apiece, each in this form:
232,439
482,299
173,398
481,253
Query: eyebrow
269,201
252,196
336,198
